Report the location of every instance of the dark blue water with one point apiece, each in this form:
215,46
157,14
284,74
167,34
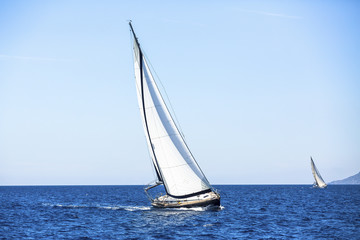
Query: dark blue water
123,212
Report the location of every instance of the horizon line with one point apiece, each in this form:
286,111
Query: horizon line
230,184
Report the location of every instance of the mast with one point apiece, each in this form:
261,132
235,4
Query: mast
133,32
157,168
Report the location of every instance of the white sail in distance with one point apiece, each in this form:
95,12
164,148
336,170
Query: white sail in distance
319,181
175,166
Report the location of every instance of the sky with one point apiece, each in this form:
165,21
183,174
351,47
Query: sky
257,87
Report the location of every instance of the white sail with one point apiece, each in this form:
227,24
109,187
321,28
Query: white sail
174,164
319,181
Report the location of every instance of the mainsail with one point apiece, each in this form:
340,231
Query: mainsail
174,164
319,181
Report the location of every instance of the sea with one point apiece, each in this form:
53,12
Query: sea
124,212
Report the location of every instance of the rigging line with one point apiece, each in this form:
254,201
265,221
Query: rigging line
167,96
180,165
164,136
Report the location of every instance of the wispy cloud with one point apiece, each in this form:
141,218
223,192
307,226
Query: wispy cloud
27,58
194,23
271,14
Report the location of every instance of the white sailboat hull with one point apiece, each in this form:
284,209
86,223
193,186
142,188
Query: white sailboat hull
319,186
202,200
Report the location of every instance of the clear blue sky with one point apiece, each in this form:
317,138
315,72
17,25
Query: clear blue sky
257,86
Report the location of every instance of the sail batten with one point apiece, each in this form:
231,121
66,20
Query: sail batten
173,161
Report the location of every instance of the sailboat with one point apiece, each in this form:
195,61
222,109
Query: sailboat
176,168
319,181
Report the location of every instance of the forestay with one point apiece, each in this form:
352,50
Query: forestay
174,164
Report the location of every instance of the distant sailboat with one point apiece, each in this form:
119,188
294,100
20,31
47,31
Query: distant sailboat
176,169
319,181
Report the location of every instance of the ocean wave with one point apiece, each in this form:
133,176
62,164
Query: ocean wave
195,209
135,208
126,208
131,209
